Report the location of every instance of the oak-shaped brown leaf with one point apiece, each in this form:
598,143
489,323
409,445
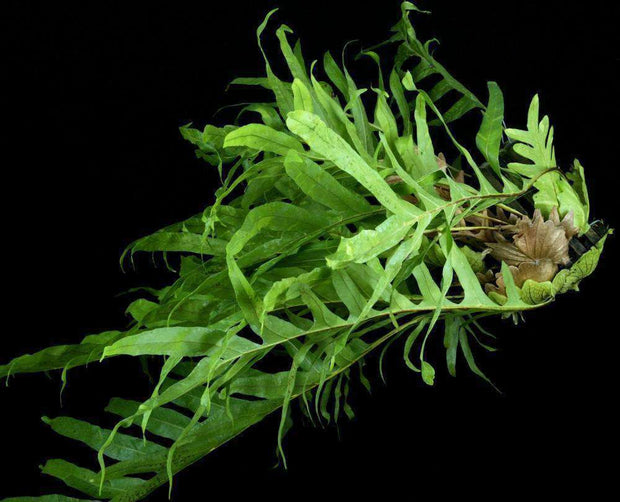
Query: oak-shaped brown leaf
538,247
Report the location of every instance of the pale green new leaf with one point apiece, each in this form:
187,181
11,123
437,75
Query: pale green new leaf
262,138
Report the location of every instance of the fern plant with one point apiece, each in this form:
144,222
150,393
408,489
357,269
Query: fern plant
339,228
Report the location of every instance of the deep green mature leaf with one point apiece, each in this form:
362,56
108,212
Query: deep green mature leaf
489,136
412,48
180,242
85,480
335,74
469,357
268,113
123,448
163,422
183,341
62,356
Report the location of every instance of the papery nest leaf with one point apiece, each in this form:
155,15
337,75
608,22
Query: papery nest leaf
537,240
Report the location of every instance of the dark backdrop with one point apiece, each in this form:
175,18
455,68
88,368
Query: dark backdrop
95,97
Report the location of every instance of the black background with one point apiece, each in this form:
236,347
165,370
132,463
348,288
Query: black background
94,98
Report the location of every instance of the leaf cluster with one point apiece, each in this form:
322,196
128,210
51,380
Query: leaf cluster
310,255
